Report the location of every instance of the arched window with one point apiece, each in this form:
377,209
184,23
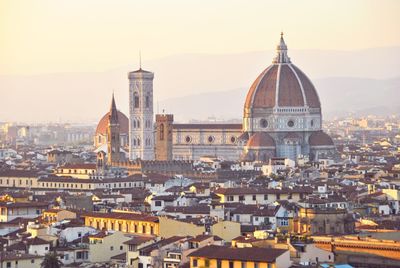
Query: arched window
138,123
136,100
134,142
162,132
134,123
147,101
138,142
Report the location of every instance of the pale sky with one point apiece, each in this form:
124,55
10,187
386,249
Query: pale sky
47,36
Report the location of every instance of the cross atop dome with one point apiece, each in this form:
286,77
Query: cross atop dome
281,52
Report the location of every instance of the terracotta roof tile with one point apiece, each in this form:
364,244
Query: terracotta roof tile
261,139
240,254
320,138
309,89
122,216
262,92
199,209
292,83
290,93
19,173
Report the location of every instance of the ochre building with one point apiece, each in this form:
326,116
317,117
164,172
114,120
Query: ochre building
124,222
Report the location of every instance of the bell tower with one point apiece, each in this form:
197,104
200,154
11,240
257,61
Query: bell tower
163,137
141,128
113,140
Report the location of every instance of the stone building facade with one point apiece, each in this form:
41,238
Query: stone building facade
312,221
192,141
164,139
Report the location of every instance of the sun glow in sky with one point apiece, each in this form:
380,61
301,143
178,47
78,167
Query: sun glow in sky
47,36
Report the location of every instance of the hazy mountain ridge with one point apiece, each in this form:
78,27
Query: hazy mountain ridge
344,92
209,79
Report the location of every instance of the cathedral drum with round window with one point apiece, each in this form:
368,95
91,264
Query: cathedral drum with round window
188,139
263,123
290,123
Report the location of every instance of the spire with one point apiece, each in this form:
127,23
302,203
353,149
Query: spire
113,116
140,60
281,52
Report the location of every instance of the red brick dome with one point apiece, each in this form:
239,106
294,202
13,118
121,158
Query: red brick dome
122,120
282,85
260,139
320,138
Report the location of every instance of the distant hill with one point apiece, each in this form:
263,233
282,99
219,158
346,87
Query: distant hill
343,95
339,96
209,79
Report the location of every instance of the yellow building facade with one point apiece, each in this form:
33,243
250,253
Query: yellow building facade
132,223
214,263
228,257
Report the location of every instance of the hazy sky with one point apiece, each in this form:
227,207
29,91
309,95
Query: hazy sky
41,36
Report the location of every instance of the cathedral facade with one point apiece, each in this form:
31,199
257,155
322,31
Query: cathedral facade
281,118
192,141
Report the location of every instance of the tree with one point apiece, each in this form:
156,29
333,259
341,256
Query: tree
51,261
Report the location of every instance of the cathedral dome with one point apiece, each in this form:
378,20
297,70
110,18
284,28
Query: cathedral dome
103,123
282,84
260,139
320,138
